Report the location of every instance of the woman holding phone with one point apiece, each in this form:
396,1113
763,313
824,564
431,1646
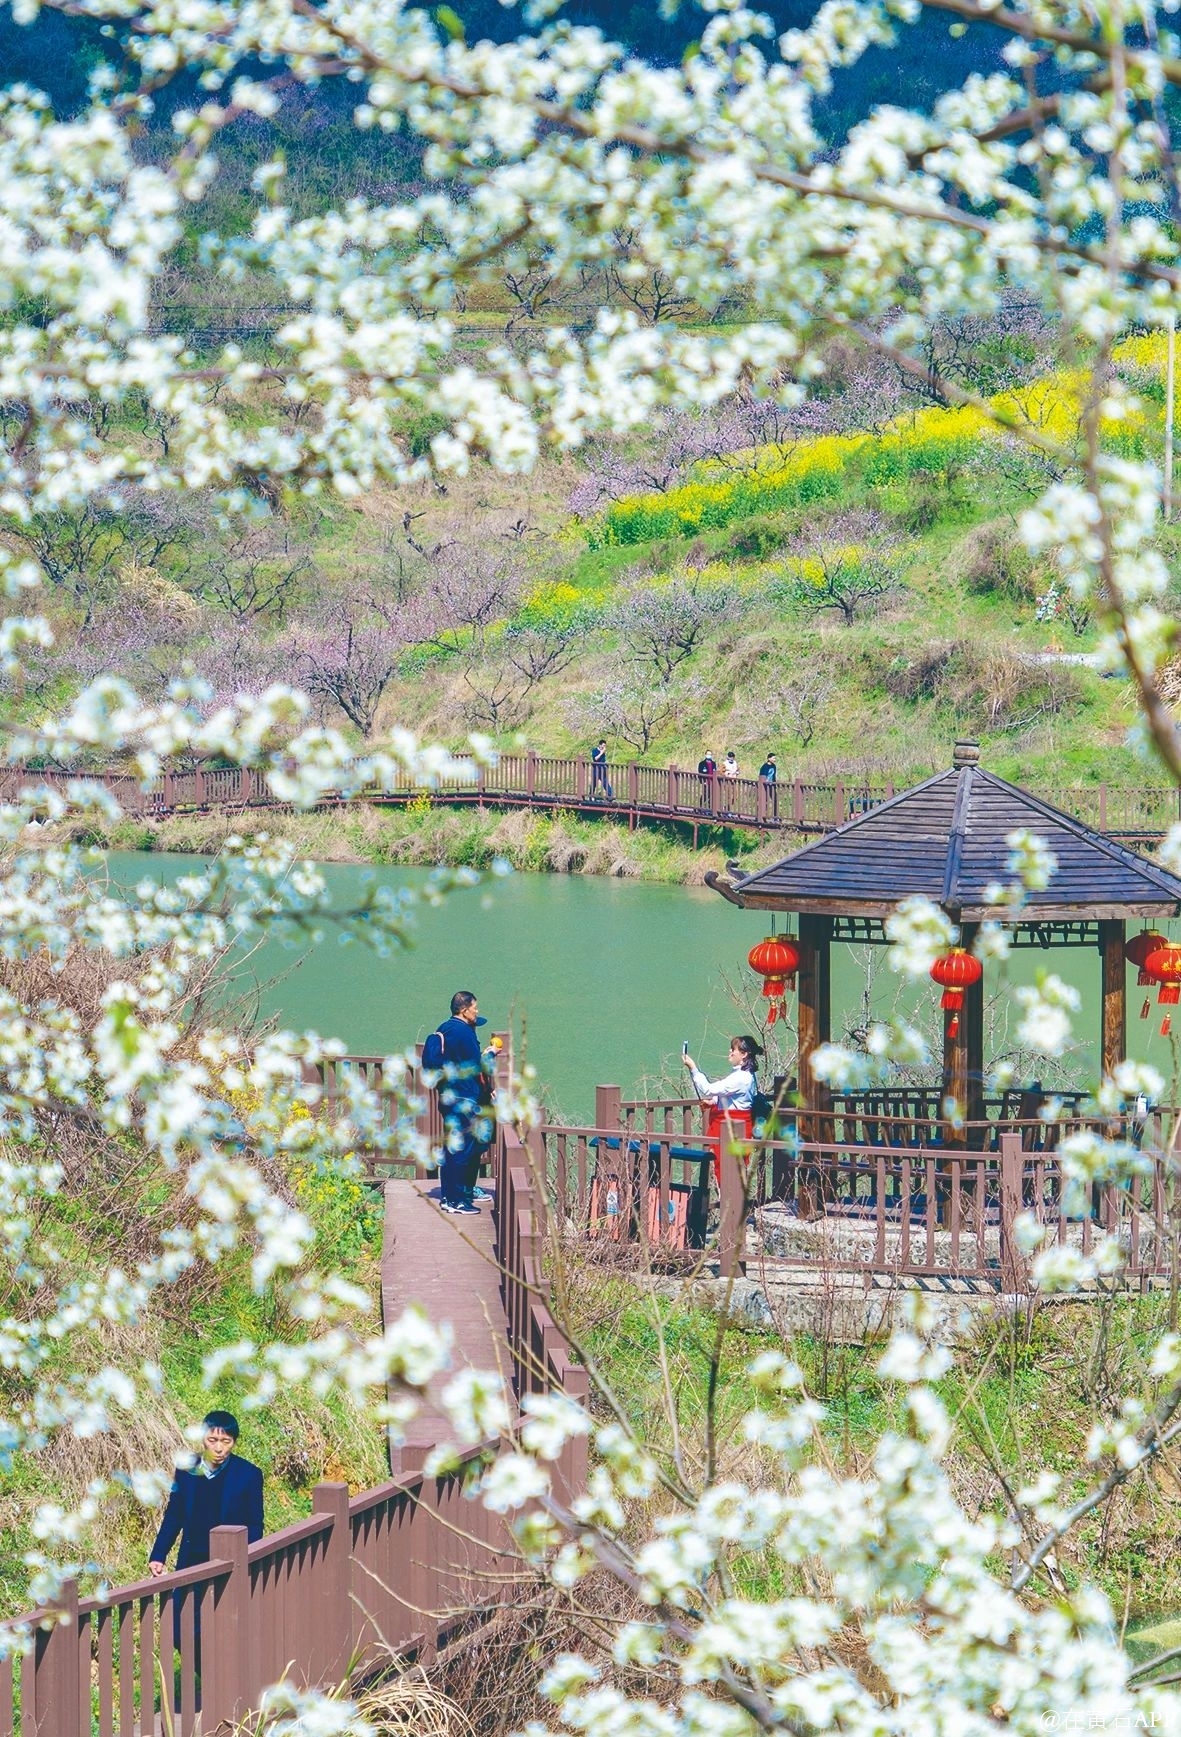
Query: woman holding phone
731,1099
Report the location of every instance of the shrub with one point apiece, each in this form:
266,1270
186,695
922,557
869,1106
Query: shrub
757,538
919,678
998,566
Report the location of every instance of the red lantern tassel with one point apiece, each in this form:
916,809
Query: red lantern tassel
1166,1026
1142,978
1147,1008
953,1000
953,1029
1170,994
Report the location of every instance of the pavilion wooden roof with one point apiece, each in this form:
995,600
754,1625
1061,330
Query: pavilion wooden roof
945,838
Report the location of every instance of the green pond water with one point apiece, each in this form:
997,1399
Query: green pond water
601,980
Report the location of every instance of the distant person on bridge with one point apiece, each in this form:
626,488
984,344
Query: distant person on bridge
599,779
730,774
707,771
219,1489
465,1096
731,1099
769,775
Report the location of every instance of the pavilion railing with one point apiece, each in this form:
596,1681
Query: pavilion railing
901,1117
891,1200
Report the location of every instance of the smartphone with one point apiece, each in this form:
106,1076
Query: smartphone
685,1047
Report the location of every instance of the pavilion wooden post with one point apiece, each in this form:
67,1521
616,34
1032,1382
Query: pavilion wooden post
1114,1033
813,1028
963,1054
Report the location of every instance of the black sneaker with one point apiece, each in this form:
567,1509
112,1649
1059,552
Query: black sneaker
450,1206
467,1206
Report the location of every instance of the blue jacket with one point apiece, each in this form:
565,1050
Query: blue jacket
197,1504
454,1051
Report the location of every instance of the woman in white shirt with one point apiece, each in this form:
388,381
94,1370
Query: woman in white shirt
730,1099
729,775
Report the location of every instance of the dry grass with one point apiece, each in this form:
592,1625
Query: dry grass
410,1705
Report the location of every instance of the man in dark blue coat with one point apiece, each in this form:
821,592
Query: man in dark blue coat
453,1052
220,1490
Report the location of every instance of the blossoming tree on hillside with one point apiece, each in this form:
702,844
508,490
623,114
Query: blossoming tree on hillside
1056,180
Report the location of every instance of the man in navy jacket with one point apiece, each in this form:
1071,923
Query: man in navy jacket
454,1053
220,1490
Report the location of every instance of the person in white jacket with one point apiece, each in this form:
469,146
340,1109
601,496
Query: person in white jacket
730,1099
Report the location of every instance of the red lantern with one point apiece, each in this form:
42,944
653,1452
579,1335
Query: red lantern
776,960
1164,967
956,971
1139,947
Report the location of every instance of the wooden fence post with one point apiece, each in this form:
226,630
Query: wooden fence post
607,1107
422,1121
580,789
336,1582
633,790
534,1143
797,802
199,787
227,1635
56,1674
530,774
1014,1273
674,790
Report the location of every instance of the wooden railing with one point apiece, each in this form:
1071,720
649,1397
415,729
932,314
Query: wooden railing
637,792
407,1567
858,1192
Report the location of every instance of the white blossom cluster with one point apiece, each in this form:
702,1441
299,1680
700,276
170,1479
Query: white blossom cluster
884,1567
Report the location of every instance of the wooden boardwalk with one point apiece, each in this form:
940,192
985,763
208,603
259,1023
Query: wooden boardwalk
634,793
448,1266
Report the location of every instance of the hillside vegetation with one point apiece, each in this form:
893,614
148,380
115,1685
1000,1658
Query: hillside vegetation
843,582
116,1206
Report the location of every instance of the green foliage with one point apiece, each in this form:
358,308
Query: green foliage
420,430
998,566
756,538
120,1205
347,1214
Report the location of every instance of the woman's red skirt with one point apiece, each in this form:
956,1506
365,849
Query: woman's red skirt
726,1125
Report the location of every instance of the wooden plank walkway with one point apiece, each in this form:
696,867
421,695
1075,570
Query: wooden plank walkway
448,1266
639,792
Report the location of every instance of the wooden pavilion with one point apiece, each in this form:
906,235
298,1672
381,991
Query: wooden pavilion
946,839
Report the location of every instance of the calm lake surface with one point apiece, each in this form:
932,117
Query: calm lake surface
600,980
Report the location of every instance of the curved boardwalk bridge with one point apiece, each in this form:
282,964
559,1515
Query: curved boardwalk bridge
631,791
